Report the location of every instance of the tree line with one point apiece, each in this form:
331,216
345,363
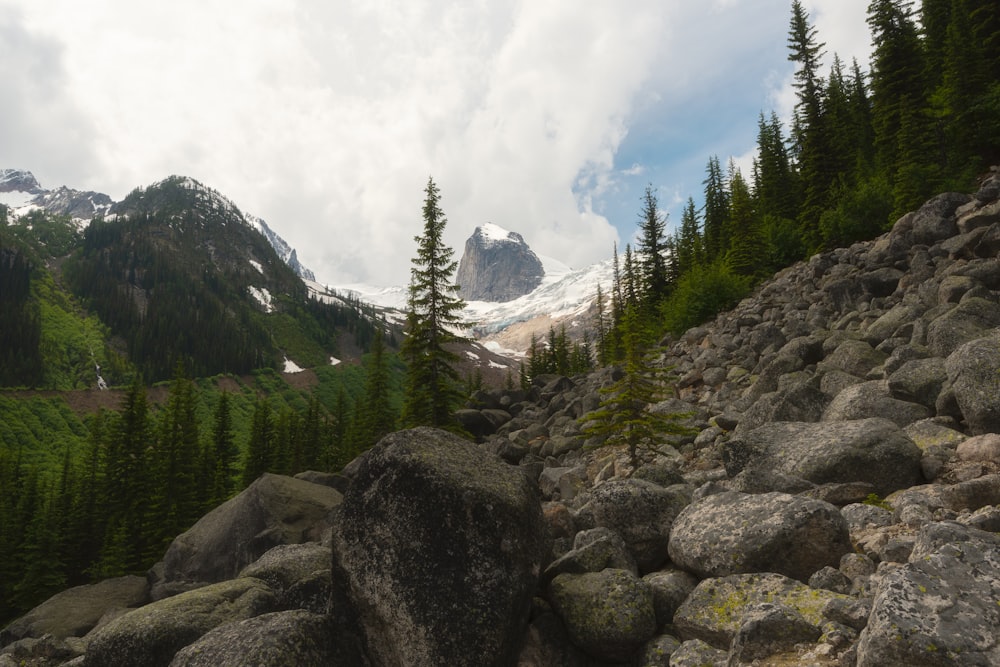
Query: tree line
863,148
144,474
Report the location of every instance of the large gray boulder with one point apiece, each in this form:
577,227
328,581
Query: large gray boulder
641,512
299,574
941,607
974,379
438,548
868,450
872,399
75,611
919,380
734,533
609,614
935,220
273,510
973,318
278,639
151,635
717,608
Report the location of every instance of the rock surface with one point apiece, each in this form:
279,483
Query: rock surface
440,547
940,608
734,533
152,635
273,510
497,265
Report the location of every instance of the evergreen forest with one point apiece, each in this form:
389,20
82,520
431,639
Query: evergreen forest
156,302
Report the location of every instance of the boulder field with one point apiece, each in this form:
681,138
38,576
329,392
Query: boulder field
839,504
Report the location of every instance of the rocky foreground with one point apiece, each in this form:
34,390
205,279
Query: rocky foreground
840,505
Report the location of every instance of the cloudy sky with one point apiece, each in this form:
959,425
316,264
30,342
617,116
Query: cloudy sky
326,118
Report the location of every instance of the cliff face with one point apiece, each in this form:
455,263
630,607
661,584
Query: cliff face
497,265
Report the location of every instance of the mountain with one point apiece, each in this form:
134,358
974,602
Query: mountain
173,272
840,480
565,297
497,265
21,192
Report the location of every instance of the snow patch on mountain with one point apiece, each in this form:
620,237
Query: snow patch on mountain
263,297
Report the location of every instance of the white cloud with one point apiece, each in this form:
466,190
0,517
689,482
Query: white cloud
326,118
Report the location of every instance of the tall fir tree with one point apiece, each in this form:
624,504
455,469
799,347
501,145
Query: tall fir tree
129,481
260,448
715,214
623,417
433,384
175,503
221,453
651,252
898,84
377,416
810,131
746,248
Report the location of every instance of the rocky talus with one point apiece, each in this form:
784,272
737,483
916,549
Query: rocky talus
838,505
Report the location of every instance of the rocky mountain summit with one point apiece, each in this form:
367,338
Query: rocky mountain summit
26,194
497,266
839,505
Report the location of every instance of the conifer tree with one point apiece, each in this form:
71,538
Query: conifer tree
630,277
716,211
222,453
623,417
433,383
260,448
775,185
898,79
652,263
175,502
129,480
377,415
601,322
810,130
746,247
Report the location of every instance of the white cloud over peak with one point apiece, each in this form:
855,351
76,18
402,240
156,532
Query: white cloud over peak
326,118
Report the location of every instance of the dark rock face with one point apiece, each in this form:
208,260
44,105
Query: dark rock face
152,634
18,180
277,639
439,548
74,612
497,265
273,510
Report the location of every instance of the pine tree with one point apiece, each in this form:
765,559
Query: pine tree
689,248
746,246
175,463
129,479
630,277
601,322
716,211
810,131
377,415
260,448
222,454
652,266
898,80
623,417
433,384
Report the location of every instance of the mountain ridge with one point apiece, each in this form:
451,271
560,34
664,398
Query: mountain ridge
24,193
